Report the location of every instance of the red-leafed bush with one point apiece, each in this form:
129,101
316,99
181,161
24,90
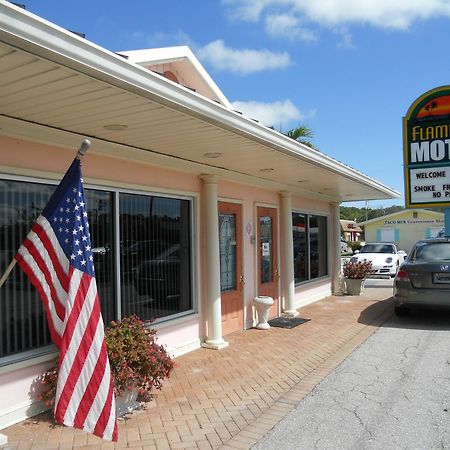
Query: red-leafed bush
357,270
137,361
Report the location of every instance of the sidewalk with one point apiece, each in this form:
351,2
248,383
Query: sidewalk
230,398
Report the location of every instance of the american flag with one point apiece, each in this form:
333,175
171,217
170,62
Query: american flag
57,257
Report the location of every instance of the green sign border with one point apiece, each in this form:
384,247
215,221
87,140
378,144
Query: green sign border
411,114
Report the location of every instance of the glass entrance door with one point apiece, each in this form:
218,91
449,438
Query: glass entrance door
231,277
268,274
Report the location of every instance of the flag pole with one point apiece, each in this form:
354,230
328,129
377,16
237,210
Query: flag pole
84,147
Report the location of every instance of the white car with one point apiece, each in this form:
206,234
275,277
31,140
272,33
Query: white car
385,257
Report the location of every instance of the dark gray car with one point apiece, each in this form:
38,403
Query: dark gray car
423,280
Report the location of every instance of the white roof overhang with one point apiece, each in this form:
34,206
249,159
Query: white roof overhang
56,87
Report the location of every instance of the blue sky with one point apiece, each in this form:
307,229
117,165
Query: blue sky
348,69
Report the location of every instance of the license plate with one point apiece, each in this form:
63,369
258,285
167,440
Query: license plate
441,278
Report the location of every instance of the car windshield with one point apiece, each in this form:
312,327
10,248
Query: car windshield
431,251
378,248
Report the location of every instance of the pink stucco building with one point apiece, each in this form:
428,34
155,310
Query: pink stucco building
194,208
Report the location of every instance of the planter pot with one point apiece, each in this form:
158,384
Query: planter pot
262,306
127,403
354,286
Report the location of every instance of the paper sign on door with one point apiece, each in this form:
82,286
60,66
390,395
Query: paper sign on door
266,249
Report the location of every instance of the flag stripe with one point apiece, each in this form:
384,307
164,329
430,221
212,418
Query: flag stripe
54,324
51,243
104,396
73,356
98,373
39,256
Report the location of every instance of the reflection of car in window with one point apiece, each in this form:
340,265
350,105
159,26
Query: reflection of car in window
132,256
159,277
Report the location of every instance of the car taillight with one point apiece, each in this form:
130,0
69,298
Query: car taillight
402,275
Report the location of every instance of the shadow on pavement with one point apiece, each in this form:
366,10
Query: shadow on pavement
419,319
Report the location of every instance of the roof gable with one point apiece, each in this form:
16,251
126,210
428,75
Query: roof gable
179,65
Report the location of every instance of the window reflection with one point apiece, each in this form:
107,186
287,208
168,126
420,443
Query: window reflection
300,247
101,227
154,256
22,317
266,248
23,323
227,244
310,246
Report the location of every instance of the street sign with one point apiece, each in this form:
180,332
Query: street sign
426,150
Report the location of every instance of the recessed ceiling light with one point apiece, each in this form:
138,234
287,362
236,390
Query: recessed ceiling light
269,169
212,155
302,181
115,127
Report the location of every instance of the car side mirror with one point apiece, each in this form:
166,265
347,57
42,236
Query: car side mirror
356,252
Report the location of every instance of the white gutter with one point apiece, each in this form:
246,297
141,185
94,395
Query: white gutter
47,40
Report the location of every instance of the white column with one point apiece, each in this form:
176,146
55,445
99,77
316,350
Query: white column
287,247
214,337
335,239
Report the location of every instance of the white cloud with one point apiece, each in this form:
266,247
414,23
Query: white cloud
397,14
247,10
346,38
276,114
241,61
288,26
159,39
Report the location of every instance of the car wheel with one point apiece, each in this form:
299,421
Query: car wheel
401,311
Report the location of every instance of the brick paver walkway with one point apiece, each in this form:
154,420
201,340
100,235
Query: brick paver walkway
232,397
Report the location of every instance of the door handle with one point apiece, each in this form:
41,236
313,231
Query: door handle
242,280
277,274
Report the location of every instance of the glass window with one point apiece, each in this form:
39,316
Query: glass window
266,247
101,227
23,321
299,231
318,246
22,317
155,256
435,251
310,246
227,243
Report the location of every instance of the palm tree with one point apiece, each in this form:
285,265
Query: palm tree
300,133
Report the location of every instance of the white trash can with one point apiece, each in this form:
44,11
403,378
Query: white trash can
262,306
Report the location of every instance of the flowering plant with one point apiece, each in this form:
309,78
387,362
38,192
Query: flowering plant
357,269
137,361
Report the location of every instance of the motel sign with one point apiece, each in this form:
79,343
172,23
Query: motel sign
426,150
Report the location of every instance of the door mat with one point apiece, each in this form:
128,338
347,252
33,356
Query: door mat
287,322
